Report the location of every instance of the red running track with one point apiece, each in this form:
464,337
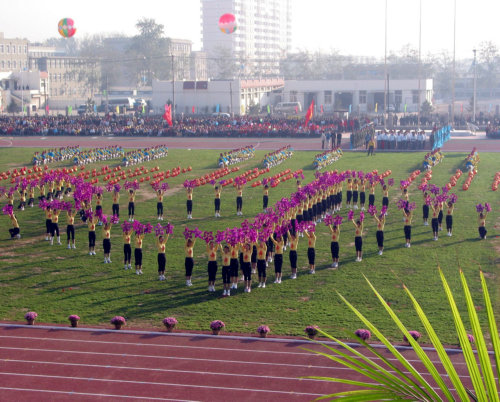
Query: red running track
456,144
58,363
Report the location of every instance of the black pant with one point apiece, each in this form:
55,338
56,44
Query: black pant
355,197
226,277
247,270
106,245
278,263
239,203
358,243
116,209
265,201
449,222
14,232
311,255
91,239
54,229
371,199
162,261
362,197
293,258
370,150
233,265
435,224
385,201
334,248
349,196
70,232
188,265
212,270
380,238
127,253
189,206
159,208
217,204
138,256
440,217
261,268
407,230
482,232
131,208
425,211
48,225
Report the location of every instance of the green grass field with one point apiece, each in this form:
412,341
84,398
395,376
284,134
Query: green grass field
57,282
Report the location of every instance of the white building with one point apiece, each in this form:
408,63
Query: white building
204,97
361,96
262,37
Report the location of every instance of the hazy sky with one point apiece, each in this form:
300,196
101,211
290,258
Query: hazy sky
351,26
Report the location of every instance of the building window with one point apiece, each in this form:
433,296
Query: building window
7,49
293,96
8,64
3,64
1,48
20,49
14,49
362,97
328,97
414,96
398,97
14,64
25,49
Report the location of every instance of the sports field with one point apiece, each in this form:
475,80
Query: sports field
57,282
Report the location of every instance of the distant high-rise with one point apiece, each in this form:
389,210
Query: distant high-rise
262,37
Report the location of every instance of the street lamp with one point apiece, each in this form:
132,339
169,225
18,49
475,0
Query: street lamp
474,90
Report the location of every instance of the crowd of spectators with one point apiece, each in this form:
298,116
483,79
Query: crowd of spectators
142,125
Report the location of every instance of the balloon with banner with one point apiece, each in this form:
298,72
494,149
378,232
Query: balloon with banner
227,23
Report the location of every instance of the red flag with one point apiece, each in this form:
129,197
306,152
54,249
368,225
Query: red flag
310,112
47,108
168,114
321,109
192,109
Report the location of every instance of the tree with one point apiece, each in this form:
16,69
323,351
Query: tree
149,51
488,66
426,109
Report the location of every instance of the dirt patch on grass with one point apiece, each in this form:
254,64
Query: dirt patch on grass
304,298
36,270
8,261
7,253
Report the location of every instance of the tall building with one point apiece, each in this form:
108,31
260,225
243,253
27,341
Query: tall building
261,39
13,54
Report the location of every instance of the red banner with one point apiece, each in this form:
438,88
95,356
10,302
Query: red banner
310,112
168,115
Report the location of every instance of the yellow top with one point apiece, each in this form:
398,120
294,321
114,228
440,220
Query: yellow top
266,191
234,251
380,223
126,237
131,196
189,193
48,214
335,233
188,250
161,245
311,239
106,233
450,210
212,253
91,223
226,258
293,242
408,218
71,218
261,250
159,196
247,254
138,240
116,197
55,216
217,192
279,245
359,229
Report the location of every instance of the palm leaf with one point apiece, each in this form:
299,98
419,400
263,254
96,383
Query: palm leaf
492,323
361,396
482,351
443,356
420,383
470,359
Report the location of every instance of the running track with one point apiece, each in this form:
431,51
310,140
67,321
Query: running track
456,144
61,363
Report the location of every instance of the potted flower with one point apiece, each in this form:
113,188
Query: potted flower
414,334
363,334
31,317
73,319
216,326
169,323
263,330
311,331
118,321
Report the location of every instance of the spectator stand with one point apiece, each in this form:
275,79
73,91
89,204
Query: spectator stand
277,157
326,158
432,158
236,156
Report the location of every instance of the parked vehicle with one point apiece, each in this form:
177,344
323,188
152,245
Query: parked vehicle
288,107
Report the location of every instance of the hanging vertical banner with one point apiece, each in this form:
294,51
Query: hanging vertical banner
321,109
118,109
405,107
268,109
70,109
217,108
168,115
376,107
489,108
310,112
192,110
350,108
461,108
47,109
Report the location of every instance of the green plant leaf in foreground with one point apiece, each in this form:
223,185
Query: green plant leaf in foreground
397,385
